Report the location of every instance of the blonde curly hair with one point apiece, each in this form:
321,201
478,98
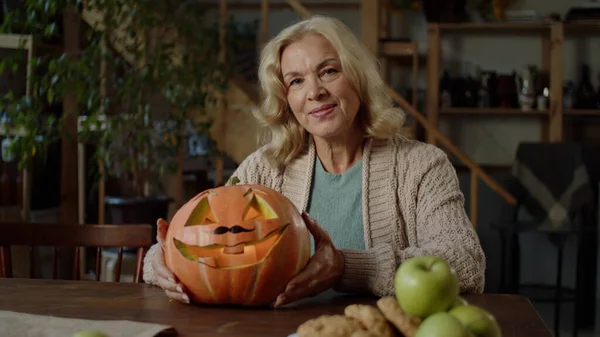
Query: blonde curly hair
286,138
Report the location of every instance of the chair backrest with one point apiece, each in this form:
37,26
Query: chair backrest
75,236
551,181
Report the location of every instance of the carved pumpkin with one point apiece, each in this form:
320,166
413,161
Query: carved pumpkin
237,245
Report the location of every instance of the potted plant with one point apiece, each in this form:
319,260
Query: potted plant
28,120
163,69
144,78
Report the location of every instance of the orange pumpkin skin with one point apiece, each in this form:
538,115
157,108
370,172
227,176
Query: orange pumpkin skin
207,235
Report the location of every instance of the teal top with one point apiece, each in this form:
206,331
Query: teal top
335,202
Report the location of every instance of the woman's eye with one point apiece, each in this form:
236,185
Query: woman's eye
329,71
295,81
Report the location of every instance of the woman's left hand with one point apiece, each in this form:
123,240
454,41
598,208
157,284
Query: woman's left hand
323,270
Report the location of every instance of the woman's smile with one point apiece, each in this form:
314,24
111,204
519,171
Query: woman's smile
322,111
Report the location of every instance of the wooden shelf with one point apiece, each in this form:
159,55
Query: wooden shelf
16,41
496,27
583,112
26,42
592,28
398,48
491,112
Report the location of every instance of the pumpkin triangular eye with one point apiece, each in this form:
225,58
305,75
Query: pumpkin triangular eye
201,215
258,208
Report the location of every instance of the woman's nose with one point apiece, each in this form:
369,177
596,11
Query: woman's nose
316,91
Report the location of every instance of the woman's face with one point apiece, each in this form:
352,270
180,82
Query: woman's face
319,94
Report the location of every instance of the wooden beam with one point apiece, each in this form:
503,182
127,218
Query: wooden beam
299,8
384,33
546,64
69,153
104,72
369,25
433,81
556,83
26,188
16,41
81,183
264,22
415,69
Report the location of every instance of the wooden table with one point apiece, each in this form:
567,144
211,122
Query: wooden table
145,303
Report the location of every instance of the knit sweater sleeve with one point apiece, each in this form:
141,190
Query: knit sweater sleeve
441,228
253,170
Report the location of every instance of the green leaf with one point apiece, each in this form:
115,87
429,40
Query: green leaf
52,66
50,30
50,95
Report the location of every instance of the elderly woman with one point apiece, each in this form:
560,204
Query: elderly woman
375,198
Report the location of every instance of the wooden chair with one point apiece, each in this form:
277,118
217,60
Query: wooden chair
76,236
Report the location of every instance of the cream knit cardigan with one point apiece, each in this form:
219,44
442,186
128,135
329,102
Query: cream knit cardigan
412,206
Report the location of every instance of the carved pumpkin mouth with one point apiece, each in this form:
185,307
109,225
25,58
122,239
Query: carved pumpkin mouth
240,255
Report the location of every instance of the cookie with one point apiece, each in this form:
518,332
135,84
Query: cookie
392,311
329,326
371,318
364,333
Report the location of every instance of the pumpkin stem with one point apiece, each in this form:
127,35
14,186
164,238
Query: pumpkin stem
232,181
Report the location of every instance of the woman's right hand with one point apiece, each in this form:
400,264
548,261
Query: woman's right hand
165,278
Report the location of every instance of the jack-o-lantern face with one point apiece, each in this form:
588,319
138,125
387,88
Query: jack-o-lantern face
235,237
237,244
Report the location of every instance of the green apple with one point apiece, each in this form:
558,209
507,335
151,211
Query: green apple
425,285
89,333
459,301
442,324
478,321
